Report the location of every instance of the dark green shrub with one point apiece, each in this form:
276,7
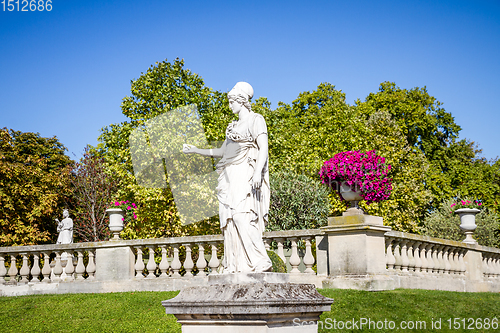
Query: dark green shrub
443,223
278,264
297,202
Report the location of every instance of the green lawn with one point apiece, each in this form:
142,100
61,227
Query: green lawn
142,311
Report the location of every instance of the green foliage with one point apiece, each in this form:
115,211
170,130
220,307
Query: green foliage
406,207
165,86
444,223
34,187
297,202
278,264
452,167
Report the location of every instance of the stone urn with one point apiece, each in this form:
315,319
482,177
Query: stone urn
353,196
115,221
468,223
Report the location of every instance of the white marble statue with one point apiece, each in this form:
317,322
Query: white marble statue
65,229
243,186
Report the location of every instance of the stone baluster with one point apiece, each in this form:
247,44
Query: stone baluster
404,256
487,261
188,263
423,257
267,243
3,270
80,267
294,258
13,269
497,265
201,263
446,259
398,262
417,256
430,257
308,257
389,257
139,264
91,267
164,265
25,269
463,267
456,261
214,261
411,257
440,258
35,269
451,259
46,267
176,263
491,264
70,268
58,269
281,252
435,259
151,266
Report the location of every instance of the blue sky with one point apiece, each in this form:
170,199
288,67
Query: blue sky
64,72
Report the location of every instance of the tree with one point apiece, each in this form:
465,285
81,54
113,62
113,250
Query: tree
320,124
164,87
454,167
94,189
34,187
297,202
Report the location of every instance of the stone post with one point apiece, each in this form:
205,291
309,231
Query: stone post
114,263
356,253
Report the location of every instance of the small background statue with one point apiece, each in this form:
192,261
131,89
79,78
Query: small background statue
65,229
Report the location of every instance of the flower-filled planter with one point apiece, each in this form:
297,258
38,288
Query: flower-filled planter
119,216
357,176
467,210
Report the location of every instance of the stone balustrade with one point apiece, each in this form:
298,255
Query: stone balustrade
414,253
354,252
47,263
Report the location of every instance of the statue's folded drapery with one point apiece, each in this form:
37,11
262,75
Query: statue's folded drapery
243,211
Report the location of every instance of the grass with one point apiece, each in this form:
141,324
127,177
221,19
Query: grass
142,311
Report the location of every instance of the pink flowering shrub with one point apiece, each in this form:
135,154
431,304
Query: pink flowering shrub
129,209
466,203
364,171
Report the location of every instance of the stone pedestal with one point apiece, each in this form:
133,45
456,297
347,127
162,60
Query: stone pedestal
356,252
254,302
114,263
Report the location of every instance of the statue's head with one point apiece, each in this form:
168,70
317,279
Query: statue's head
241,93
65,213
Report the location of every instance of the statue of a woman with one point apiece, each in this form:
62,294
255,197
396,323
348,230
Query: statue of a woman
243,186
65,229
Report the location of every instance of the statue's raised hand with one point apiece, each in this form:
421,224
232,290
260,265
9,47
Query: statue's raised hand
189,149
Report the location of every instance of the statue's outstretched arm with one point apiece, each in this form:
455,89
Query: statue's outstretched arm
214,152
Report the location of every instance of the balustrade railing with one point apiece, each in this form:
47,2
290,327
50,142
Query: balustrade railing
491,263
154,258
50,263
202,255
408,253
199,256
